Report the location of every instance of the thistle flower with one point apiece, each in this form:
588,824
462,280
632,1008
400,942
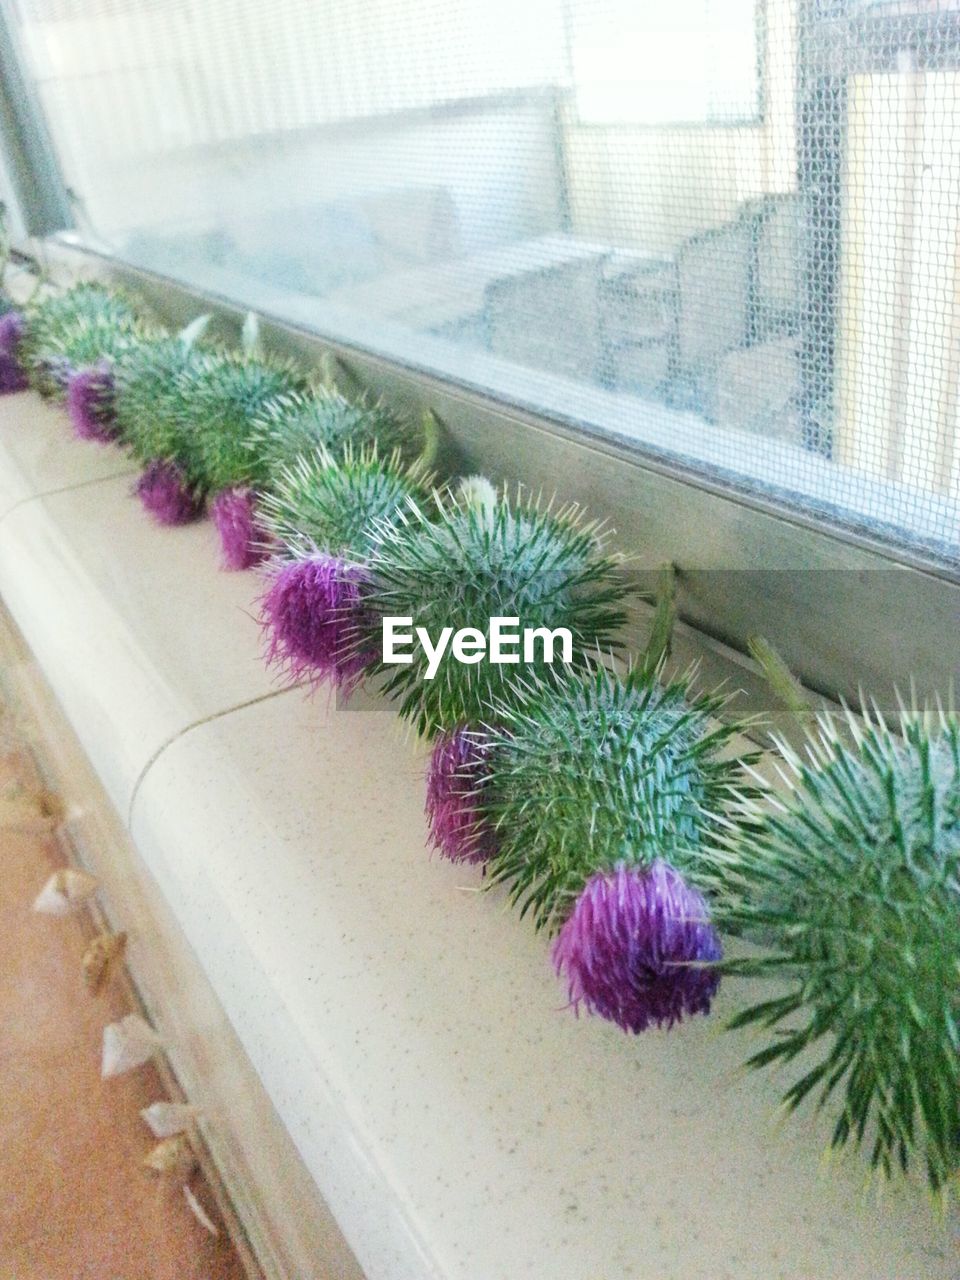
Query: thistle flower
243,540
321,503
597,773
320,513
639,949
82,342
148,396
455,780
299,423
69,330
167,495
219,394
309,613
90,403
854,880
12,374
473,563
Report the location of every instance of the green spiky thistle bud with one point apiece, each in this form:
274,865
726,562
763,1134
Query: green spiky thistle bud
321,511
73,329
590,801
148,381
472,562
598,772
853,878
85,340
219,396
323,503
301,423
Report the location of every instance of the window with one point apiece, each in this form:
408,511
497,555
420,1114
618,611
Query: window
725,234
643,62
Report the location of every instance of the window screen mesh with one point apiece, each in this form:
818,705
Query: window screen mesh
727,232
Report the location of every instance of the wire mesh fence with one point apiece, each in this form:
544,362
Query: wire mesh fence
725,231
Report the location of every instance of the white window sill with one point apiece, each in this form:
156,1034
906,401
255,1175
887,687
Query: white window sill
459,1123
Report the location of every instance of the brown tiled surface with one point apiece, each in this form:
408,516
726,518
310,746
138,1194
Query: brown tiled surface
75,1202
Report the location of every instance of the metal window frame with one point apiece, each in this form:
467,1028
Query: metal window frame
42,199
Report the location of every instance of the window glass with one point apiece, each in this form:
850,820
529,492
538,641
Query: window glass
645,62
726,233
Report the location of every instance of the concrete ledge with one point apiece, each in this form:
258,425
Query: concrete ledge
137,632
459,1123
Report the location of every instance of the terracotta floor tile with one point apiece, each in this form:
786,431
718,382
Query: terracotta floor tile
75,1200
161,1242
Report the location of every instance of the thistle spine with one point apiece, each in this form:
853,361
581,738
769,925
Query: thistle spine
598,772
473,560
852,878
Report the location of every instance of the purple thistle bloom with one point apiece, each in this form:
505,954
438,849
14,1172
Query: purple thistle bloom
12,375
90,403
637,946
310,614
242,540
166,495
454,779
